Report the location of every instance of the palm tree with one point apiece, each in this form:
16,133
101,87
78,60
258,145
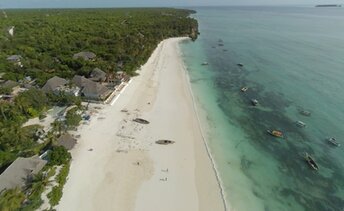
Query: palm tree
11,200
3,107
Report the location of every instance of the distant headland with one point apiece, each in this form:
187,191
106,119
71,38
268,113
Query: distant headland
328,5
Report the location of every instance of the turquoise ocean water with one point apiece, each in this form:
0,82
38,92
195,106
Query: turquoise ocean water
293,59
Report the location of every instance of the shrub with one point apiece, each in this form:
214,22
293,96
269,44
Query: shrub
11,200
58,156
73,118
56,193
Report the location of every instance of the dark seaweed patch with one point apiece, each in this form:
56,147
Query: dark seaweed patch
310,189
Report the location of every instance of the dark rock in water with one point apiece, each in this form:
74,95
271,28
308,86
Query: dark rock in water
141,121
164,142
245,164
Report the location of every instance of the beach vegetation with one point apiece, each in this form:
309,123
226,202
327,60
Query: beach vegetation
58,156
73,118
11,199
56,193
34,191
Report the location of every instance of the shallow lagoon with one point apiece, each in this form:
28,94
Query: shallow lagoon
293,60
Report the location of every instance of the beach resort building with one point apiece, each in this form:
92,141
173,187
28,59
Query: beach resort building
90,89
67,141
98,75
13,89
9,84
53,83
20,172
87,56
57,85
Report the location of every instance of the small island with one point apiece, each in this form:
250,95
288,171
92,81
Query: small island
328,5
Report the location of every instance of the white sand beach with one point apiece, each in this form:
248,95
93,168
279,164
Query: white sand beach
118,166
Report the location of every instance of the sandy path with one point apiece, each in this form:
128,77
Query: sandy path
126,170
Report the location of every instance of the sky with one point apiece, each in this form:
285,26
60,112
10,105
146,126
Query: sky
151,3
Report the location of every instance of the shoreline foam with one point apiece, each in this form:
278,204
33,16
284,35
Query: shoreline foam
218,178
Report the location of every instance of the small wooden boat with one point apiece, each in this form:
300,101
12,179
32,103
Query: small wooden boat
205,63
305,113
254,102
164,142
311,162
275,133
240,64
220,44
300,124
141,121
244,89
333,141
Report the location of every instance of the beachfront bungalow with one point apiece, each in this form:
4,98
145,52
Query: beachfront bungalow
90,89
67,141
9,84
57,85
53,83
98,75
13,88
87,56
20,172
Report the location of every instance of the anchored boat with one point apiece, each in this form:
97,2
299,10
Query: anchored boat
305,113
244,89
275,133
311,162
333,141
254,102
300,124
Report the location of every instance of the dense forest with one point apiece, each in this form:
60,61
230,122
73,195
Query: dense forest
45,42
121,39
